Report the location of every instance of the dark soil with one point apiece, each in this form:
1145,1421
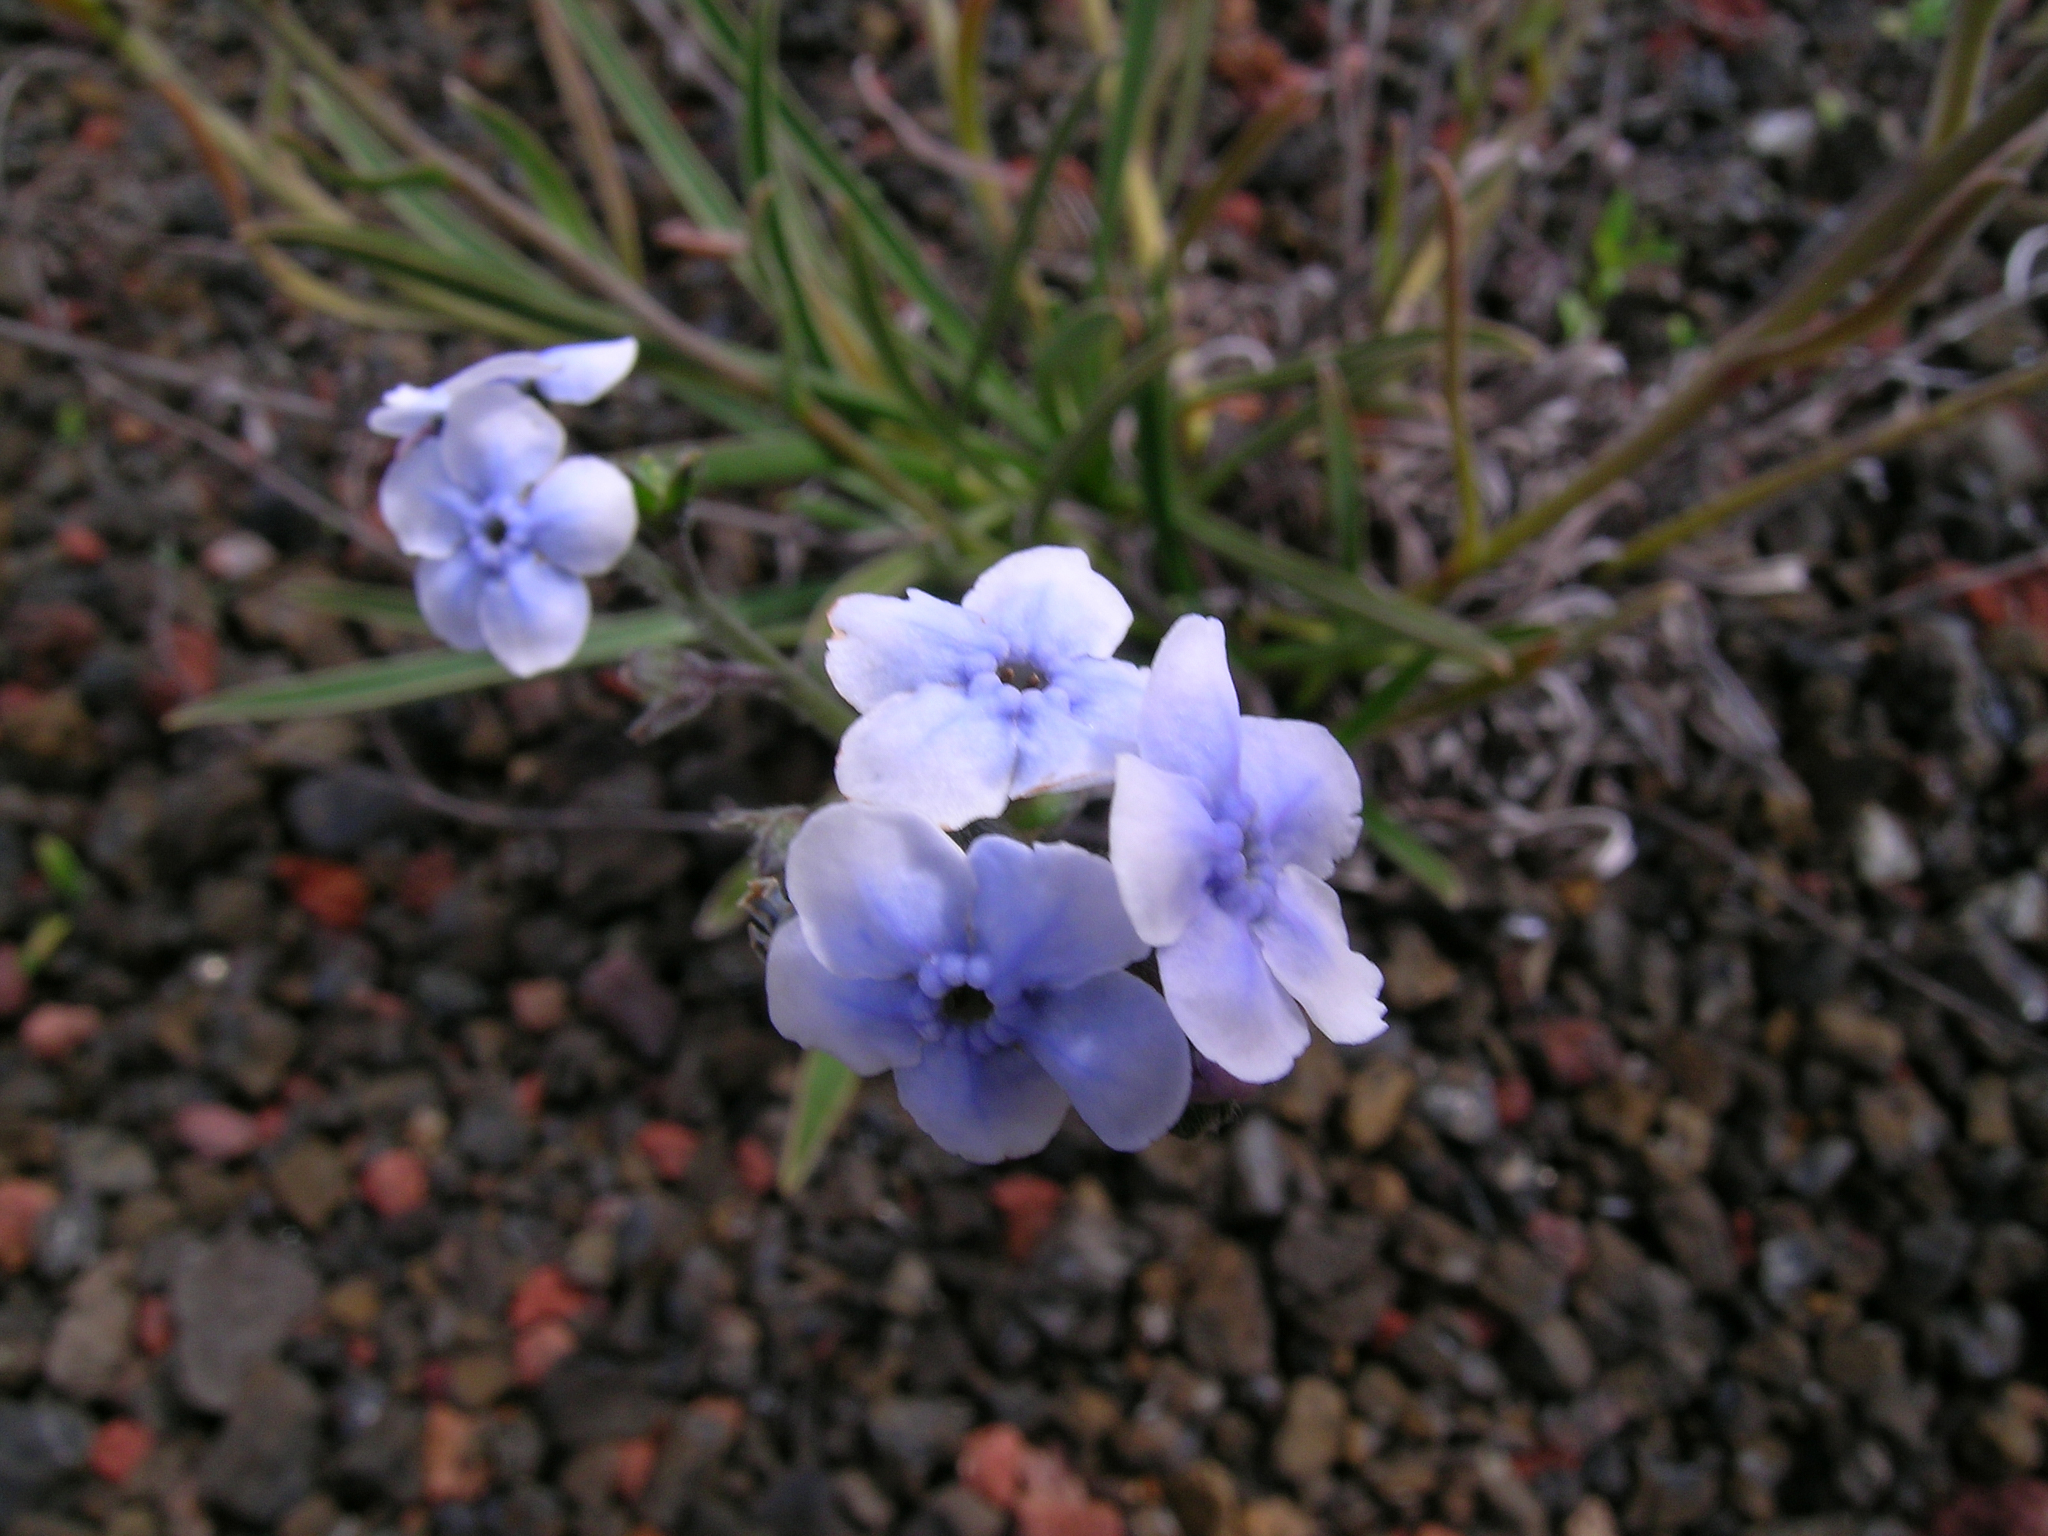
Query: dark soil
365,1171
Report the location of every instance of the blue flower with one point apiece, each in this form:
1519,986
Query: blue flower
1223,831
575,374
991,982
1012,692
505,528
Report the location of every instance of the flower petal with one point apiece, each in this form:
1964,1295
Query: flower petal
1306,788
1113,1046
406,409
939,751
981,1107
1049,602
1048,914
448,592
1105,697
582,516
1304,941
419,503
581,371
498,441
1054,750
1161,845
878,891
882,646
869,1025
1188,723
1227,1002
534,616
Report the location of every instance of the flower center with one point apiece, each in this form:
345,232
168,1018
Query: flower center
1241,869
1022,675
965,1005
495,528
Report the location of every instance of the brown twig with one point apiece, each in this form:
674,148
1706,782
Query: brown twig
1940,590
163,371
1995,1032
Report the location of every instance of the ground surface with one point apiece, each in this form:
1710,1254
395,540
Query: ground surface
365,1171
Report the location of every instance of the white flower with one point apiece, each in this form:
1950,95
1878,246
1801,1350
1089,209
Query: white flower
574,374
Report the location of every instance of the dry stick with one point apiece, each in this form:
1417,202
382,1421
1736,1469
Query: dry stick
1961,584
1871,443
162,370
408,781
1470,529
2002,1030
1357,117
266,474
593,137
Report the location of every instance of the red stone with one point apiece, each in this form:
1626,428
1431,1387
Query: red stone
1391,1325
669,1147
154,1331
1513,1100
2017,1508
23,1204
54,1030
992,1463
119,1447
529,1094
336,894
754,1164
79,544
546,1294
1576,1052
219,1133
540,1004
394,1183
429,875
13,982
1561,1239
1046,1517
1029,1203
362,1351
633,1467
539,1349
452,1467
1243,212
194,660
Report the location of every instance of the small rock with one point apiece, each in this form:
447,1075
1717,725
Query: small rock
1565,1360
1311,1432
68,1238
39,1443
1576,1052
1592,1516
262,1464
1883,847
1787,134
1988,1118
341,812
1685,1147
477,1378
911,1289
1224,1320
991,1463
1697,1235
394,1183
237,556
23,1205
89,1345
311,1182
539,1004
1854,1033
1434,1244
1261,1163
669,1148
102,1161
623,991
1901,1125
53,1031
118,1448
1377,1099
453,1469
1820,1167
1275,1516
546,1295
1416,974
1304,1096
963,1512
217,1132
917,1434
864,1503
1204,1497
539,1349
14,983
234,1301
1460,1102
1029,1204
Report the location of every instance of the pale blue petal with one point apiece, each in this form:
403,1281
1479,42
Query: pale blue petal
407,408
1054,750
1305,943
448,592
940,752
534,616
581,371
869,1025
419,503
1305,788
878,891
1162,843
981,1107
1113,1046
1188,722
1049,602
1048,914
582,515
1105,697
1227,1001
498,441
882,646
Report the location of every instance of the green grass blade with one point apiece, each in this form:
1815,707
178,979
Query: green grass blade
393,680
1067,368
682,167
1381,703
386,607
1138,369
1141,24
1002,294
826,1089
1340,463
1429,869
547,180
1159,485
1353,594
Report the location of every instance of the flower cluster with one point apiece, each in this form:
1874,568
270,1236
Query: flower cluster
994,980
505,528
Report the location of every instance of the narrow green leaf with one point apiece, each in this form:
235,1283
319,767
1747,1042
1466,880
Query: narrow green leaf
1424,864
722,911
1340,462
826,1089
1068,366
547,180
386,607
58,863
1120,134
1381,703
1353,594
1159,484
1136,371
43,941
